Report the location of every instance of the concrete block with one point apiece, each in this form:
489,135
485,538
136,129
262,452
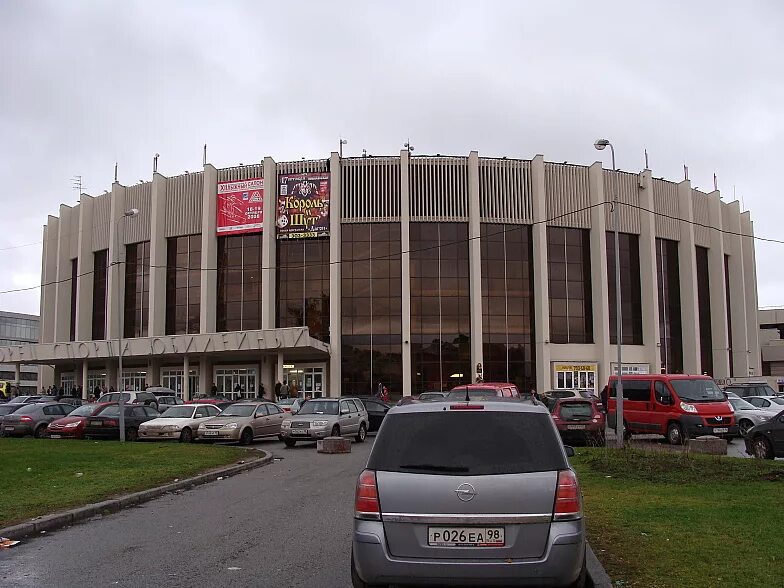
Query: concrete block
333,445
708,444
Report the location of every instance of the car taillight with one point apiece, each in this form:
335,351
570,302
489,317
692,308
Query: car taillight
466,407
366,505
568,505
26,419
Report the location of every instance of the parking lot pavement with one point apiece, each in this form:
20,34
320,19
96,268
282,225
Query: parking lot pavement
286,524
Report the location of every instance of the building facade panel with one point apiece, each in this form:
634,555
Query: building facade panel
626,186
568,198
183,205
137,228
665,202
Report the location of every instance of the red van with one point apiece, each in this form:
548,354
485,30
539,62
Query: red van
674,405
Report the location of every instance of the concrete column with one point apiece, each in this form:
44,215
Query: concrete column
599,288
649,282
48,279
111,374
17,375
44,320
157,300
116,273
209,250
687,264
205,376
279,369
267,371
541,286
58,373
752,305
405,270
475,263
154,372
718,298
85,371
62,302
84,284
334,386
269,258
186,381
733,245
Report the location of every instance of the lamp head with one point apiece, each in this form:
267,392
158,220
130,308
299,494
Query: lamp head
132,212
600,144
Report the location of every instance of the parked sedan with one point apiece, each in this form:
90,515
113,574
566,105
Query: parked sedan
291,405
747,415
178,422
377,409
243,422
766,441
32,419
165,402
6,409
579,420
24,399
72,426
771,402
326,417
106,425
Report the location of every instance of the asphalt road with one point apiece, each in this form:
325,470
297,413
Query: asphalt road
285,524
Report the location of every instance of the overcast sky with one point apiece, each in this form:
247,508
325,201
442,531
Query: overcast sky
85,84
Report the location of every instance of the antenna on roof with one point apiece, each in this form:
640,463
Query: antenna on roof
646,160
155,163
204,155
115,171
715,182
76,184
685,172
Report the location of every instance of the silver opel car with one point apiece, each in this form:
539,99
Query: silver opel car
468,493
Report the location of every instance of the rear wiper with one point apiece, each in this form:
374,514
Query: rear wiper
435,468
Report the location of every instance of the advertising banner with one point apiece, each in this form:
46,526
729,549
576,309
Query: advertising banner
240,207
303,206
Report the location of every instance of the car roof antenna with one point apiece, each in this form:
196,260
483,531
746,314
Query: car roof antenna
468,399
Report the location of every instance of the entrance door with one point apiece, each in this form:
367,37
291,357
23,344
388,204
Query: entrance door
309,380
236,383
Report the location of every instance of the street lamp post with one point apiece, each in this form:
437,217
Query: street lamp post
600,144
121,403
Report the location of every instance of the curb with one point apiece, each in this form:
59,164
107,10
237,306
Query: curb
598,578
63,519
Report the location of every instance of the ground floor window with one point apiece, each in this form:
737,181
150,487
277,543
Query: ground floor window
236,383
134,380
574,376
95,379
172,378
308,380
68,382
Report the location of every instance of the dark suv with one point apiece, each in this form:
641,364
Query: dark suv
744,390
471,493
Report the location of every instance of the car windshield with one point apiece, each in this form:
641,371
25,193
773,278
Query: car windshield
698,390
287,401
474,443
576,410
110,411
473,393
319,407
114,397
562,394
740,404
84,410
177,412
238,410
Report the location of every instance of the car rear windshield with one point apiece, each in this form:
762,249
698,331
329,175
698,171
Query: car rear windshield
8,409
115,397
467,442
570,410
473,393
178,412
698,390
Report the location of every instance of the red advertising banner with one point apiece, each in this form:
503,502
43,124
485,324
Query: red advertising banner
240,207
303,206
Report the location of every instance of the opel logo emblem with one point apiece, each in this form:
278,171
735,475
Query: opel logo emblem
465,492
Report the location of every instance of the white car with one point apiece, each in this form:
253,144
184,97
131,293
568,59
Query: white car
747,415
774,404
178,422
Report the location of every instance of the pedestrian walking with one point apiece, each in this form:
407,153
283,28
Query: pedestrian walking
278,386
97,392
294,390
284,390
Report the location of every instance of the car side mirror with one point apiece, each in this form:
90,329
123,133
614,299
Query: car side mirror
569,450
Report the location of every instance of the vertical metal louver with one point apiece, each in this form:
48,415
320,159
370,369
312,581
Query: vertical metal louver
567,195
665,204
370,189
183,205
627,186
701,218
241,172
505,191
101,221
302,167
137,228
438,189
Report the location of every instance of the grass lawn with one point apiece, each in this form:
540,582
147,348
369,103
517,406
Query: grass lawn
40,476
659,519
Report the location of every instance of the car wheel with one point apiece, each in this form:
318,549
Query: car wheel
290,442
40,432
361,434
186,436
762,448
131,434
744,425
674,434
247,437
335,431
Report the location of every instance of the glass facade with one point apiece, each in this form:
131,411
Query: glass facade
74,278
670,336
440,306
704,308
239,283
183,284
631,298
569,280
508,304
100,275
303,285
16,330
137,289
371,329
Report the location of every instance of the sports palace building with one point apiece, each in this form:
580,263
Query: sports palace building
418,272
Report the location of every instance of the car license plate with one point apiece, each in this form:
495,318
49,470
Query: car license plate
96,423
211,432
465,536
9,428
302,432
55,436
575,427
720,430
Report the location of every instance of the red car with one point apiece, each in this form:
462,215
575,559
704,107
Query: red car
72,426
579,420
484,390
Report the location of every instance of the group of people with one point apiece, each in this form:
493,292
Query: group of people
286,390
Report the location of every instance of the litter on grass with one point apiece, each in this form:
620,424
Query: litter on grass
6,543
